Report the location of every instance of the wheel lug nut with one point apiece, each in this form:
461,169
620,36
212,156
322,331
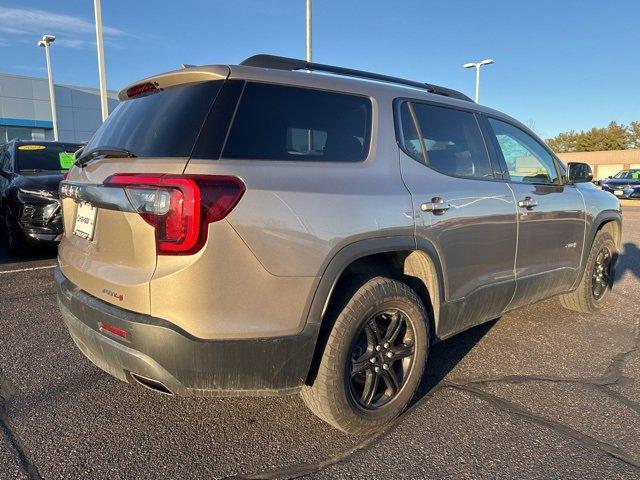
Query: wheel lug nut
376,369
378,348
386,345
385,366
389,354
372,359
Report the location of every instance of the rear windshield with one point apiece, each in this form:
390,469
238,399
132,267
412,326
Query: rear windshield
277,122
45,156
163,124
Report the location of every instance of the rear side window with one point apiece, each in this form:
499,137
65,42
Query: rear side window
277,122
446,139
163,124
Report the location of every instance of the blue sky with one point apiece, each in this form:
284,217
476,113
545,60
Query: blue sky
563,64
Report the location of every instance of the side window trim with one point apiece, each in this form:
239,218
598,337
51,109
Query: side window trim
497,159
558,182
399,102
487,148
418,128
397,120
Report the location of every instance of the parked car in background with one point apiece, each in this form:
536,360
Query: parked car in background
30,175
624,184
257,229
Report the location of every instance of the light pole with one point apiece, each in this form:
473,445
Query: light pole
45,42
308,43
104,105
477,66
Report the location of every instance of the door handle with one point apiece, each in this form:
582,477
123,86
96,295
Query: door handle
437,206
527,203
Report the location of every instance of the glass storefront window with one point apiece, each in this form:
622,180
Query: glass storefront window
19,133
24,133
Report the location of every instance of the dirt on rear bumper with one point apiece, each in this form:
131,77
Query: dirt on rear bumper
158,351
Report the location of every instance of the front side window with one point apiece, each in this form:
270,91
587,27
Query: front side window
527,161
278,122
449,140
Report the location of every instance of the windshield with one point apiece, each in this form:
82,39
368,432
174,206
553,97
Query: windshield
163,124
632,174
45,156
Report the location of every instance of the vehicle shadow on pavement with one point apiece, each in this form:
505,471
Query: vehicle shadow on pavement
628,261
445,355
34,254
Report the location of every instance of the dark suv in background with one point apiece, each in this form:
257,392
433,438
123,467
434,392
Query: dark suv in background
30,175
624,184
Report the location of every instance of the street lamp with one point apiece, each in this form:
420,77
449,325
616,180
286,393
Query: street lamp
308,31
45,42
104,103
477,66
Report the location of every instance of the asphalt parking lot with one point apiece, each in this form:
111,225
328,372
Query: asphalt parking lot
540,393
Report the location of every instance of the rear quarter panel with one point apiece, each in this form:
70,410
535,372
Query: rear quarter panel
295,216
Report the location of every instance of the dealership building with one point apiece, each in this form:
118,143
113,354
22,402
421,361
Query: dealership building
605,164
25,110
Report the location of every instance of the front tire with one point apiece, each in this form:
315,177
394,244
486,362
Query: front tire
597,278
15,244
373,360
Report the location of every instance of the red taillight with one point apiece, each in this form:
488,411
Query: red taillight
180,206
107,327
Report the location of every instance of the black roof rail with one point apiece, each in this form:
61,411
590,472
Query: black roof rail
286,63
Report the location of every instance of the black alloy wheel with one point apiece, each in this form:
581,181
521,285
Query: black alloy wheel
381,359
601,275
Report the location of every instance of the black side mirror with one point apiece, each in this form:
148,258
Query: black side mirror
579,172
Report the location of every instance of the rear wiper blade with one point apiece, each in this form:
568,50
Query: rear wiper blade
102,152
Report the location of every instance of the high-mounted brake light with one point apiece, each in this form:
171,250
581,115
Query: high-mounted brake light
180,207
142,89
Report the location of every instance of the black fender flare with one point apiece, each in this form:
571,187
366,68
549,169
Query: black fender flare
334,270
603,217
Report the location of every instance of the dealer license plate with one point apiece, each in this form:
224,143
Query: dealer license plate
85,221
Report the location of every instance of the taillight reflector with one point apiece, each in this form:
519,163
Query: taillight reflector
180,207
107,327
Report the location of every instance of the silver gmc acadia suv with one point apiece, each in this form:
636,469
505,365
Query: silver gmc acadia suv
281,226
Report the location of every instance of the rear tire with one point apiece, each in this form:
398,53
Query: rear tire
15,245
597,278
373,359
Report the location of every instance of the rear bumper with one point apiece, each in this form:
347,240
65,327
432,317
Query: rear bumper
159,351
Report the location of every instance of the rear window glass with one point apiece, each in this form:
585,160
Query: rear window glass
44,156
163,124
451,140
276,122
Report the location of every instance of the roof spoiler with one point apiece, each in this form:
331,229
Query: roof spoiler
286,63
